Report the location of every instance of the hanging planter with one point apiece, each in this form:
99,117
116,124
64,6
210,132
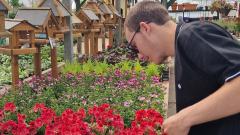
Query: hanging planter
174,6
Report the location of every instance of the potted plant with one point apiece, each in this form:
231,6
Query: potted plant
174,6
222,7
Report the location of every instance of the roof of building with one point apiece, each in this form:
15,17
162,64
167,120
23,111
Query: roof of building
11,23
57,7
90,14
36,16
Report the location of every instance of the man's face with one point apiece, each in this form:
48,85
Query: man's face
147,46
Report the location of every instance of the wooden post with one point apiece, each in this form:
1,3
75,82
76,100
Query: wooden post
54,62
110,36
92,43
79,45
95,45
14,61
86,44
2,23
118,30
103,39
37,62
15,71
126,6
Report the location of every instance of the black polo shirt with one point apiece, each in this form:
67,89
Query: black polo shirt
206,58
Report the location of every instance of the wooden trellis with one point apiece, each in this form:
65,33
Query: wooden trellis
47,24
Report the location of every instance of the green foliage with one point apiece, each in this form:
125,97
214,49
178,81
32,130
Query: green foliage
26,67
88,67
229,25
152,70
73,68
101,68
137,67
15,3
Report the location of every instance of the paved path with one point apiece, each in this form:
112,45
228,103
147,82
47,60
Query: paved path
171,93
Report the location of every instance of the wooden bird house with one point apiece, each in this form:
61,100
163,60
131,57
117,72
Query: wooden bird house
19,28
92,29
92,4
43,18
89,18
59,11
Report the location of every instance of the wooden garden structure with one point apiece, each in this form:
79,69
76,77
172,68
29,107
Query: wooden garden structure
111,16
91,29
19,29
47,24
108,14
60,12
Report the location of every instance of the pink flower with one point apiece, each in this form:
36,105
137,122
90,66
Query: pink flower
141,98
126,104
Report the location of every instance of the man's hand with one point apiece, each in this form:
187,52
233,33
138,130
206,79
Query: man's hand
176,125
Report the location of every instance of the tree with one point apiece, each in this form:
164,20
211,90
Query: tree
167,3
15,4
79,3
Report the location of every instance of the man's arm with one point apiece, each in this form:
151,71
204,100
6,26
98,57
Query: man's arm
224,102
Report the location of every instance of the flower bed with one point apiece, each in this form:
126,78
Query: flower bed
98,120
127,87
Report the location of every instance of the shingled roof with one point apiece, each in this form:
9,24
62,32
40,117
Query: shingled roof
35,16
11,23
90,14
57,7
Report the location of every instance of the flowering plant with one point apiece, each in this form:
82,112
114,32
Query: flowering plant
221,6
99,120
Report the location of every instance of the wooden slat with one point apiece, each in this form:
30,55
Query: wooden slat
5,51
86,44
24,51
110,36
95,45
92,44
37,41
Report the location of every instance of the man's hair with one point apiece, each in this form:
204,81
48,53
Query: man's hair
146,11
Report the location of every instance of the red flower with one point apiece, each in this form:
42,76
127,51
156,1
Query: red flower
20,129
8,126
10,107
38,106
1,115
38,123
21,118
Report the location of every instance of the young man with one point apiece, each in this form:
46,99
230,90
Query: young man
207,65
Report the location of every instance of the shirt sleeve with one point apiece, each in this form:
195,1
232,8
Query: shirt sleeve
212,50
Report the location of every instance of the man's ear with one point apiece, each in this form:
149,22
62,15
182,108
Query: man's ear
144,27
